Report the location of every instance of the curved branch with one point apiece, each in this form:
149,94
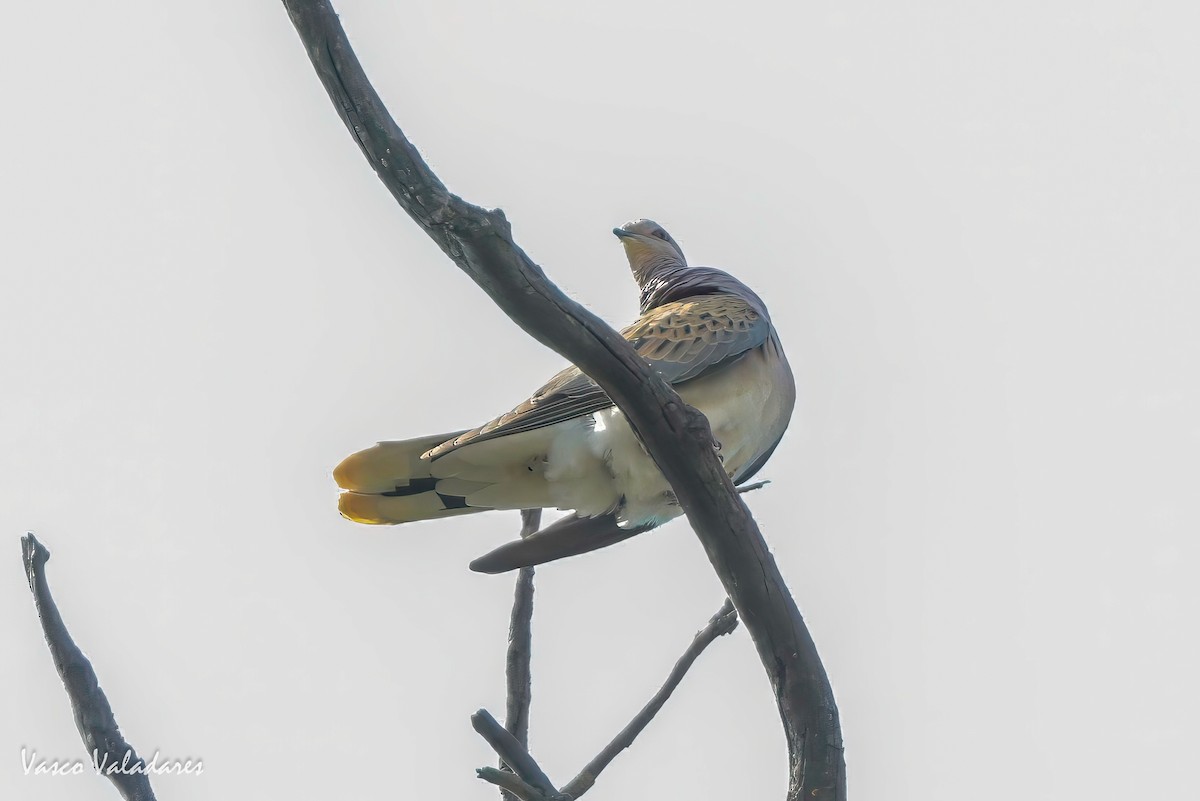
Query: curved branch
480,242
110,753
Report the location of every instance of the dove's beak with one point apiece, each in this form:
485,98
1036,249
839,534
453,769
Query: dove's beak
623,234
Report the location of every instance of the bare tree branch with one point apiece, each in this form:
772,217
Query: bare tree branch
511,784
517,676
520,642
723,622
512,752
93,716
678,438
531,775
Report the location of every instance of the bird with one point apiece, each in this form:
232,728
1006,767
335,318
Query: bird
568,447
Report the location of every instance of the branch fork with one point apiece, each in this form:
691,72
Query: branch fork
529,782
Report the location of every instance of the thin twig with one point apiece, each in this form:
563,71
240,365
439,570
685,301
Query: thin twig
512,784
723,622
754,486
532,784
93,715
517,676
512,752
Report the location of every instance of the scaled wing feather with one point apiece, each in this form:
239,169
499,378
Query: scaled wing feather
681,340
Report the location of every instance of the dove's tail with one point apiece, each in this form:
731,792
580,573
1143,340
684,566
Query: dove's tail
569,536
391,483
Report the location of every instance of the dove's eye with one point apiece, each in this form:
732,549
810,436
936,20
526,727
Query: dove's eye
660,233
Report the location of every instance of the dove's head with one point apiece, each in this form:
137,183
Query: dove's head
650,249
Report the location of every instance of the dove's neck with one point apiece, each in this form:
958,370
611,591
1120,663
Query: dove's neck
656,275
685,282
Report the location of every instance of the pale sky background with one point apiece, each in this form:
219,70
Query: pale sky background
974,224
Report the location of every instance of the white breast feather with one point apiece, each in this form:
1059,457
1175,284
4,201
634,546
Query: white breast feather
593,464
